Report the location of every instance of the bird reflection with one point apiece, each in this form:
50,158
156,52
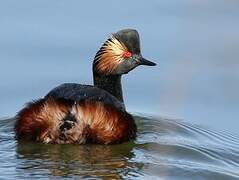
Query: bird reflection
77,160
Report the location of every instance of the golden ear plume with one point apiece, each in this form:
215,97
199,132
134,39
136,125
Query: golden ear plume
110,55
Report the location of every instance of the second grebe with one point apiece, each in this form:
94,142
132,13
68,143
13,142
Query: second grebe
75,113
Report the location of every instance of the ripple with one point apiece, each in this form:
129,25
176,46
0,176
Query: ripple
164,148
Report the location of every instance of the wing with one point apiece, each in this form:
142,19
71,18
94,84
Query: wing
79,92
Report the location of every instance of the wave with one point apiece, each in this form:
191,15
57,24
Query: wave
164,148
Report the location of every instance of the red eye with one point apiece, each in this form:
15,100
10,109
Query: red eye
127,54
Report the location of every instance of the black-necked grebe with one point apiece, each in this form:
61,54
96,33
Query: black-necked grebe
75,113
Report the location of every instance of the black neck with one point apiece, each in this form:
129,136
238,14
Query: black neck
110,83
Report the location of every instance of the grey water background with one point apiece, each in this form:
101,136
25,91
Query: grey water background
195,43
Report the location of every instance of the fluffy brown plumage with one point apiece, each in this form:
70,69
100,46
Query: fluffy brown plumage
94,122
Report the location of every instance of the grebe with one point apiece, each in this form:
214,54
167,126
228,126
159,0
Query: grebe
75,113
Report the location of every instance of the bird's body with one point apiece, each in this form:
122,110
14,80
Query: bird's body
79,92
75,113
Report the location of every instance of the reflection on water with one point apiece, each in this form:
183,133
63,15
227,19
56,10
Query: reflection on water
164,148
85,160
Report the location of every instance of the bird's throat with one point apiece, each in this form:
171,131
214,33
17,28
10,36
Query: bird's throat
110,83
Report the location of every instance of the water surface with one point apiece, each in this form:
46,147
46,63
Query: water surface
164,149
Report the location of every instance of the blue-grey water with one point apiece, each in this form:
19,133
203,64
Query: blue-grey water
195,43
164,149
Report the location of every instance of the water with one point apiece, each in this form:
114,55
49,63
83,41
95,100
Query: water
164,149
195,44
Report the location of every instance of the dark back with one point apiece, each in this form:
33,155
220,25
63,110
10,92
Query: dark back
78,92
